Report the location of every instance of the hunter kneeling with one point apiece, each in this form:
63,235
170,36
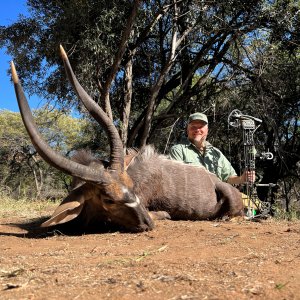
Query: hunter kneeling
196,150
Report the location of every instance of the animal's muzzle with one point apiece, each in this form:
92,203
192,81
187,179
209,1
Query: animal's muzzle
145,222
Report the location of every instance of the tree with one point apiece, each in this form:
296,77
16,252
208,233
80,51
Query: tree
21,168
148,63
130,55
274,91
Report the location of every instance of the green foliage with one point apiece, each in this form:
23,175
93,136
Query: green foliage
230,55
91,32
88,29
22,172
280,213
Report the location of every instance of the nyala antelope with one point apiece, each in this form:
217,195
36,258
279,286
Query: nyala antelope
132,190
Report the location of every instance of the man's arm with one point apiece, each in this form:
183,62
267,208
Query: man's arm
176,153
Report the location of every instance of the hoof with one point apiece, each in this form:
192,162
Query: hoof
159,215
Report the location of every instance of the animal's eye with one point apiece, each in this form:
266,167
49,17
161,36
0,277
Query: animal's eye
108,201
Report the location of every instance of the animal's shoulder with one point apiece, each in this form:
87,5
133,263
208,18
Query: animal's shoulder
191,169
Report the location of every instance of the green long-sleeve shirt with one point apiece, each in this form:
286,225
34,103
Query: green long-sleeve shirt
212,159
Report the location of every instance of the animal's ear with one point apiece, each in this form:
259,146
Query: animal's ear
69,209
127,161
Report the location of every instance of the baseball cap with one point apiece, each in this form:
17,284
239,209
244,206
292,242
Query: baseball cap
198,117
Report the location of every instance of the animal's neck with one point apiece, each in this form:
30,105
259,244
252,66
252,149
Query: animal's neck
147,177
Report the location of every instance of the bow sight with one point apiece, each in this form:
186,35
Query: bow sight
249,124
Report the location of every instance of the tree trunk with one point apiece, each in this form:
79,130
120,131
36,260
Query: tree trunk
127,101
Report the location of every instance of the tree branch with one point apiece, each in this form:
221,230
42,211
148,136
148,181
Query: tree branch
118,59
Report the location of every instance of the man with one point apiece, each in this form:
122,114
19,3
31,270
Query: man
197,151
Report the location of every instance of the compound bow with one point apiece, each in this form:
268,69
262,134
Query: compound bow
249,125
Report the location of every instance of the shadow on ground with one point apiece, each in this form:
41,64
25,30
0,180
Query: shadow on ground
33,229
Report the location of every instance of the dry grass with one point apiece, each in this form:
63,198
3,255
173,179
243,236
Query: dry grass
25,207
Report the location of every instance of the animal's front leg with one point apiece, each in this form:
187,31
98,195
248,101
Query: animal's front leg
159,215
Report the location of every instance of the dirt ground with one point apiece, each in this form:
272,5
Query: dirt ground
177,260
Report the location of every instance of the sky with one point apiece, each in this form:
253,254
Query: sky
9,12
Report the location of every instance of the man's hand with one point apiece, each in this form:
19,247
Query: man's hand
248,176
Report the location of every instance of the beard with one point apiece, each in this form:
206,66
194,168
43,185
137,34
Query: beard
198,141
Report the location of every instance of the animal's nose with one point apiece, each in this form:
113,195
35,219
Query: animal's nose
145,227
148,224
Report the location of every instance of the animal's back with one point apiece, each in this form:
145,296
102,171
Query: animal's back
184,191
189,190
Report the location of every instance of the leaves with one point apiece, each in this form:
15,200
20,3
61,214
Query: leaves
21,169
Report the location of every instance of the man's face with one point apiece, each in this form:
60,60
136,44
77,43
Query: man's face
197,131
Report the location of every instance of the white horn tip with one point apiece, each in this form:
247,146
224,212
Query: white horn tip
14,74
63,52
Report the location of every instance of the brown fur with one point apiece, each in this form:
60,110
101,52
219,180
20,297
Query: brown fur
183,191
111,193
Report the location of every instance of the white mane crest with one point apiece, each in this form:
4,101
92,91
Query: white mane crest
147,152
